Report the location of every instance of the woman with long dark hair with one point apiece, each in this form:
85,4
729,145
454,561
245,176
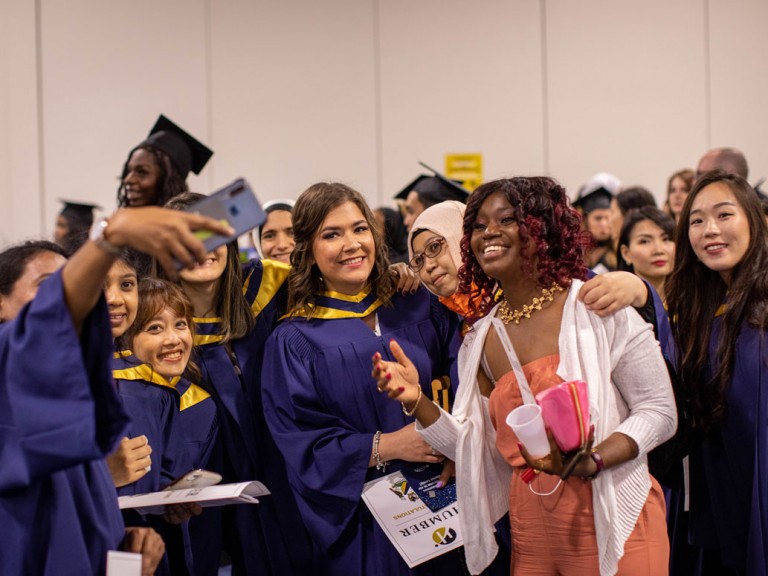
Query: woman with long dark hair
236,307
718,301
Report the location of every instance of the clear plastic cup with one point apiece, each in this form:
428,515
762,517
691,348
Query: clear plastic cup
528,425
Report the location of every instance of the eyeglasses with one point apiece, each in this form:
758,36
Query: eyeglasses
431,250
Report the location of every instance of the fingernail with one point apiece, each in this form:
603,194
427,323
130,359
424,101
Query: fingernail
440,484
519,446
401,389
389,376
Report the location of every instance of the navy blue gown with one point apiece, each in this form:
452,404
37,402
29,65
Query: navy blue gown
180,421
729,469
268,538
323,408
59,417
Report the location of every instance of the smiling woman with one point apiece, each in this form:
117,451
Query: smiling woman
274,238
157,169
236,306
520,235
718,305
158,387
162,335
335,435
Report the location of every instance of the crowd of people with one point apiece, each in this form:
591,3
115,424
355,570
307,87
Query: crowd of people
353,343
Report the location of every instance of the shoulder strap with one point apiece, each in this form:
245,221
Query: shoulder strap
522,381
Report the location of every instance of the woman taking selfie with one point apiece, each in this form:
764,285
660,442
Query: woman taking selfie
521,236
718,300
58,506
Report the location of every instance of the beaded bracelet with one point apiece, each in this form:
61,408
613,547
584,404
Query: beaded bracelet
380,464
412,411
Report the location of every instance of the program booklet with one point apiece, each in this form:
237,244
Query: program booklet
219,495
418,533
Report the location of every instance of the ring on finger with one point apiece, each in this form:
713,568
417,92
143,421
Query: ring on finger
433,452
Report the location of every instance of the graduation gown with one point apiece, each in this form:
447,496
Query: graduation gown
180,421
269,537
153,414
323,408
182,416
729,469
59,417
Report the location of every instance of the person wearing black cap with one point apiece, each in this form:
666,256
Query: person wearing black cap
73,223
594,203
426,191
157,169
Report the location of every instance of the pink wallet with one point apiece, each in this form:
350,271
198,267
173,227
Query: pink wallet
565,410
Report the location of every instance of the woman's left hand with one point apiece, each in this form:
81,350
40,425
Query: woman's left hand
398,379
607,293
558,464
407,279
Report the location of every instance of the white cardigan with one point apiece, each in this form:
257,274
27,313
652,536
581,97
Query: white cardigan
629,392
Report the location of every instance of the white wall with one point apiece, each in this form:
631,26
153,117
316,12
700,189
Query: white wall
21,193
294,91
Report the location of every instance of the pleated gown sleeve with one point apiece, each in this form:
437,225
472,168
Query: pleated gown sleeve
59,418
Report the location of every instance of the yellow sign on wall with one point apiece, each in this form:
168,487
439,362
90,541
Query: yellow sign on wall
465,167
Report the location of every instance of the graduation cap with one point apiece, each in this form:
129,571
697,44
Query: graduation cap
434,189
597,193
78,214
186,152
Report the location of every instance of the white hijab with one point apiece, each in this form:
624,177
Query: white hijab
446,219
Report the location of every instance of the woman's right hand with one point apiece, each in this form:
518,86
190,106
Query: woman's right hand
167,235
406,444
130,461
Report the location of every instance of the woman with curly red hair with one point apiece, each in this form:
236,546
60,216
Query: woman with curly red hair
521,236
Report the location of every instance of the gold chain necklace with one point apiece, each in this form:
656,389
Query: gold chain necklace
507,315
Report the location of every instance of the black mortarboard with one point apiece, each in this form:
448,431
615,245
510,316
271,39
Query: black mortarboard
78,213
434,189
186,152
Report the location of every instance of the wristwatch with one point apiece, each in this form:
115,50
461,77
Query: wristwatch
97,236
